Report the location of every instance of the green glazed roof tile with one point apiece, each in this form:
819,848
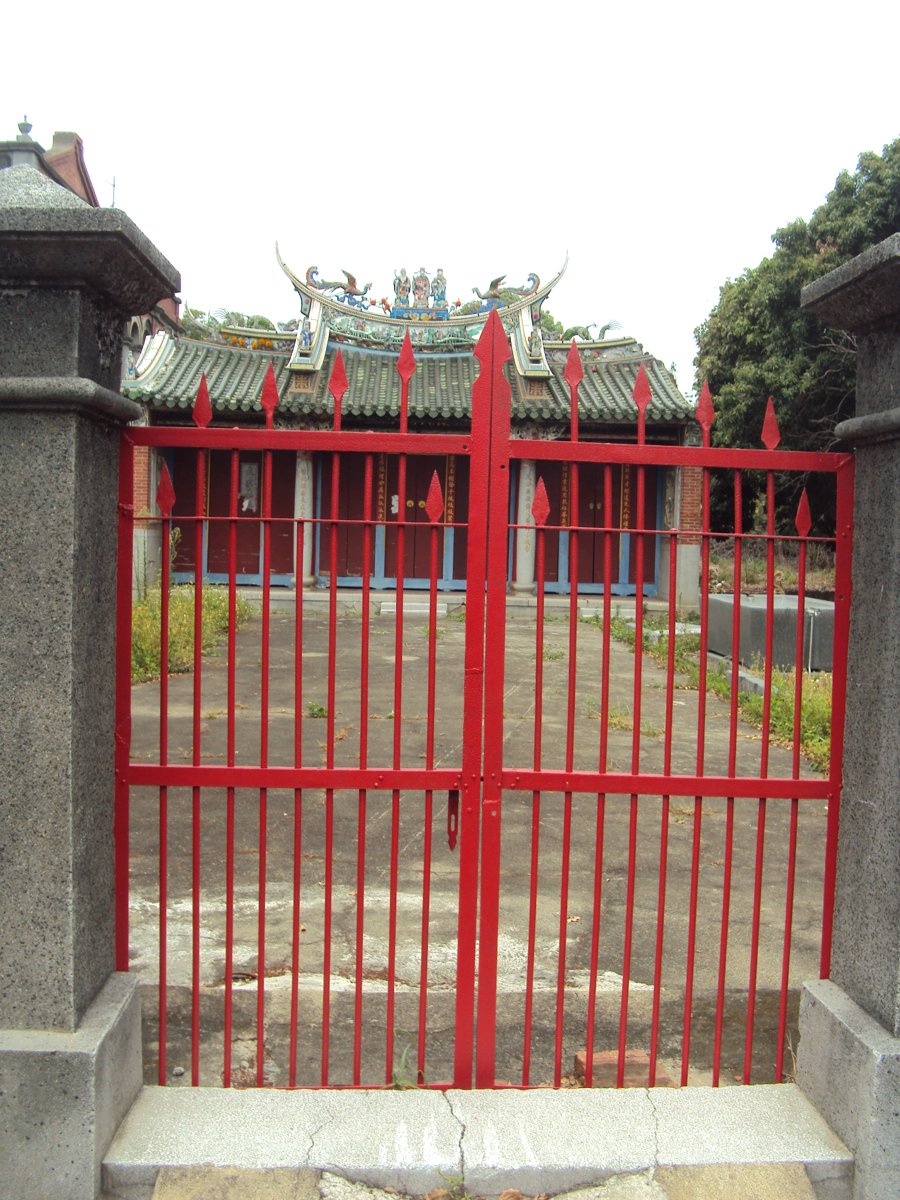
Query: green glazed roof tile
440,389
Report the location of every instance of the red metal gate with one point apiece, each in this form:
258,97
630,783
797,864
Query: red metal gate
222,790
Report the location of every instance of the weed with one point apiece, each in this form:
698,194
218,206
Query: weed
145,628
316,711
754,567
552,653
401,1077
619,718
789,1072
454,1189
426,632
815,714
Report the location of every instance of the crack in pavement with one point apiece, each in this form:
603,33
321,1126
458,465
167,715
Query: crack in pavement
315,1133
462,1133
652,1100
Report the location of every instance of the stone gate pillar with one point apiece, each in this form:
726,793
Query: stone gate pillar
304,507
525,535
70,1051
849,1062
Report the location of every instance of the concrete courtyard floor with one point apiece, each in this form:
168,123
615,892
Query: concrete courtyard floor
373,830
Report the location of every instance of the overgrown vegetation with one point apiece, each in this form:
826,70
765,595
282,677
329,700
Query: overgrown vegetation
145,628
819,568
815,711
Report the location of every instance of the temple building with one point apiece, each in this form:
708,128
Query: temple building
341,316
162,368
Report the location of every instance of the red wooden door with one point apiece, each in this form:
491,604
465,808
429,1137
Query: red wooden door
552,474
599,507
350,510
630,521
249,509
457,494
419,473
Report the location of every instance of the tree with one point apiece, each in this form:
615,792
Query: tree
757,343
550,327
209,325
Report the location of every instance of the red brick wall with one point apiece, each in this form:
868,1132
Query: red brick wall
142,498
691,496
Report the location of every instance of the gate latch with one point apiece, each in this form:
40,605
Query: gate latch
452,818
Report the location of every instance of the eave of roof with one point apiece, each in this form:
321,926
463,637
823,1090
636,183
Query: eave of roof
440,389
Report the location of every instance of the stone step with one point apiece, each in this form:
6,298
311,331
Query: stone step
765,1141
412,607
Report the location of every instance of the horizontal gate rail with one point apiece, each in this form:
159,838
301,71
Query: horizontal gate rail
647,454
645,783
347,441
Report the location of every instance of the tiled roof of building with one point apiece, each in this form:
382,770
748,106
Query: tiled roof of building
234,376
606,391
440,389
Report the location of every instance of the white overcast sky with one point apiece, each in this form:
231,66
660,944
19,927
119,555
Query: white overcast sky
659,144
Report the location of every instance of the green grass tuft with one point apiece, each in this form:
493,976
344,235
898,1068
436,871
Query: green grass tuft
815,708
145,628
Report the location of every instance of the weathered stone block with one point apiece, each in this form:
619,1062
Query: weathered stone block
63,1095
818,630
849,1067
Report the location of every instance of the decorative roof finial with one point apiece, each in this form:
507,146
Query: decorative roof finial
24,130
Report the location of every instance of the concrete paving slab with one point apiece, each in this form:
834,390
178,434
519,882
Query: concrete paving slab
480,1143
732,1182
729,1182
234,1183
417,607
336,1187
366,914
769,1123
642,1186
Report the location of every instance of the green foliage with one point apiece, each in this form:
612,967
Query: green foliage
754,568
815,706
550,327
209,325
316,711
145,628
757,343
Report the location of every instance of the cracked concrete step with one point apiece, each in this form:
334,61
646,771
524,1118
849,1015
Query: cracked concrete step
485,1142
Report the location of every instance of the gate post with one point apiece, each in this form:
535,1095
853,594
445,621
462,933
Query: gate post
70,1043
849,1062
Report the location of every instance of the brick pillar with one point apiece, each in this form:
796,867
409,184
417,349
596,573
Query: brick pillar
681,511
849,1063
70,1055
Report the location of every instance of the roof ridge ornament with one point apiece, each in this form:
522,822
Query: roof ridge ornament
420,304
